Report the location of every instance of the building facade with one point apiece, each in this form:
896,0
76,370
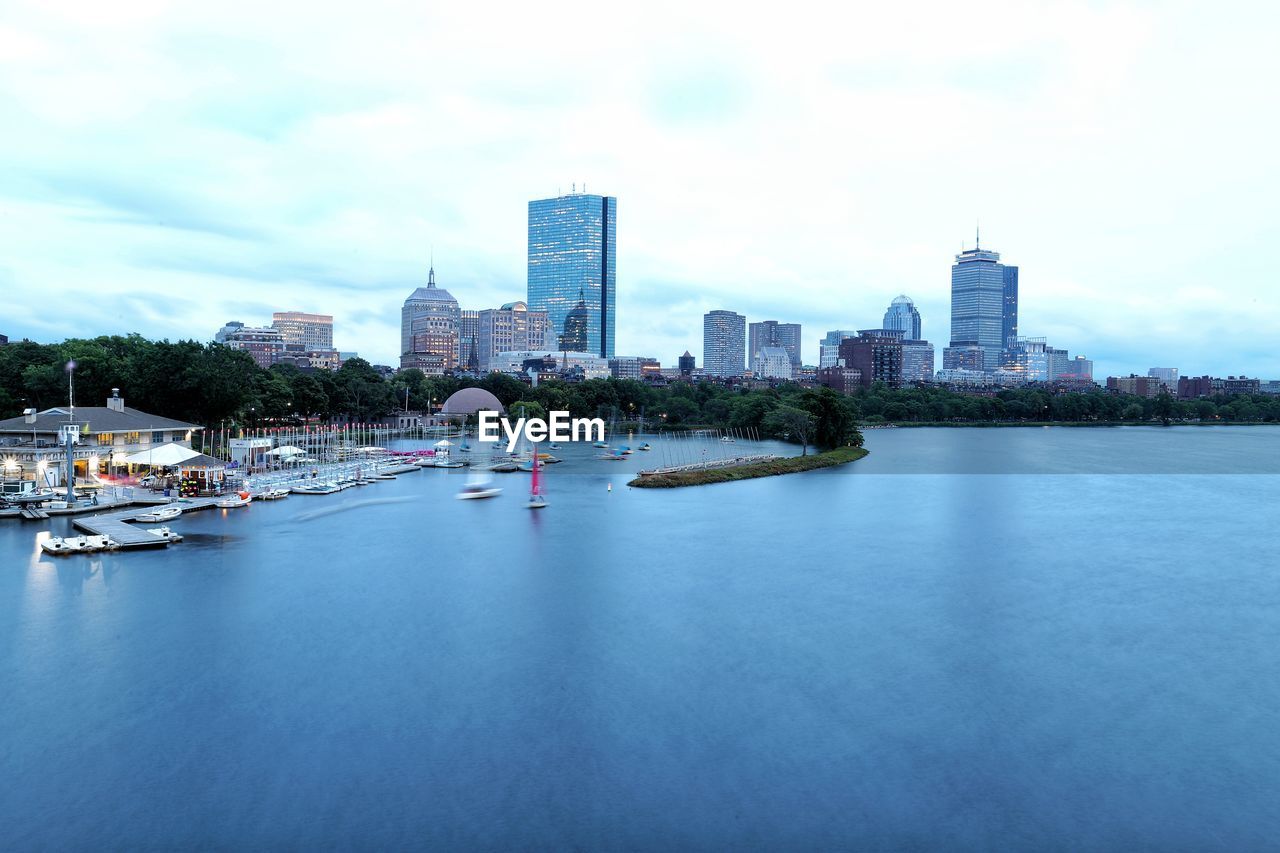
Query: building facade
1166,375
511,328
829,348
978,308
917,361
771,333
1080,368
634,367
1009,317
573,268
876,354
724,343
772,363
902,314
429,323
687,364
964,357
265,345
312,331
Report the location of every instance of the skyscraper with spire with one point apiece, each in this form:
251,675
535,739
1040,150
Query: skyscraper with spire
573,269
429,328
980,312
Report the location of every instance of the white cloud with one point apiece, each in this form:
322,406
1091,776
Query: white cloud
806,163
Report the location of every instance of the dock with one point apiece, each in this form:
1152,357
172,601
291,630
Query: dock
117,527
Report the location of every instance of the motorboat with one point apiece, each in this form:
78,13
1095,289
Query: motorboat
233,501
165,533
162,514
477,487
78,545
548,459
645,446
727,439
271,495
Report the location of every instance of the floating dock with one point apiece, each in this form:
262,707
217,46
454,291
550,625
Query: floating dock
116,526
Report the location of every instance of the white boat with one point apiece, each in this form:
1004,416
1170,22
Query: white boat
271,495
446,462
315,489
234,501
165,533
78,545
166,513
478,486
726,439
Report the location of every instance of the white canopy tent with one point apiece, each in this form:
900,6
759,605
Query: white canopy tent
444,443
164,456
286,450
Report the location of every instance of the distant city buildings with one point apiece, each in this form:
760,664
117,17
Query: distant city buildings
513,327
917,361
724,340
312,331
771,333
1080,368
559,363
1168,376
829,349
902,315
1194,387
846,380
265,345
429,322
772,363
964,357
634,367
573,269
686,364
980,311
876,354
1141,386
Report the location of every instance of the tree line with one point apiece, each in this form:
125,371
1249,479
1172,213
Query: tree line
211,384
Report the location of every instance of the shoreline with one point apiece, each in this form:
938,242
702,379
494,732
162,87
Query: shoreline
773,468
1074,424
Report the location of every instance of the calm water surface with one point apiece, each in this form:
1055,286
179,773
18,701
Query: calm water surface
971,639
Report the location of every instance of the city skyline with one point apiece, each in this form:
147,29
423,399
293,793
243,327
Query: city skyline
149,200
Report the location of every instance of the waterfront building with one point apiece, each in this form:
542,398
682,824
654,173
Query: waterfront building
877,354
264,345
979,317
312,331
573,269
32,448
1167,375
429,329
917,361
772,363
511,328
829,348
902,314
964,357
771,333
724,338
686,364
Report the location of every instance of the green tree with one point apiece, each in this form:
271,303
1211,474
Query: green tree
788,422
835,415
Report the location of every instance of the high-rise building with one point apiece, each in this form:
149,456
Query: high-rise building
877,353
573,269
313,331
1029,358
771,333
468,330
772,363
979,312
829,349
1009,318
513,327
686,363
429,329
917,361
1080,368
1059,363
902,314
724,343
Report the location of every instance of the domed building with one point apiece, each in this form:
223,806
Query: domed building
902,314
429,329
468,401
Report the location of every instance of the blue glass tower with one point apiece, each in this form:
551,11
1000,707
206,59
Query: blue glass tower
572,244
978,308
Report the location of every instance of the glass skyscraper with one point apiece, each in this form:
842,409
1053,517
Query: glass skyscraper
1009,327
902,314
572,268
979,310
724,343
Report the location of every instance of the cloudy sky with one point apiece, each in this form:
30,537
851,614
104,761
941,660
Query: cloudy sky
171,166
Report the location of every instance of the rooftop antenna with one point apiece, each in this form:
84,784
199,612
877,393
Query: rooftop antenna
575,187
977,236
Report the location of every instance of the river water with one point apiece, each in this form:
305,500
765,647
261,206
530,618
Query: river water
970,639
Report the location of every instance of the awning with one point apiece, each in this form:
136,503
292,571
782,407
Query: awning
286,450
164,456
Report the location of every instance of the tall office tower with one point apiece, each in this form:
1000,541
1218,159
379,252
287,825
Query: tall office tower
429,324
829,349
468,328
1009,319
573,270
917,362
771,333
902,314
511,328
979,310
724,339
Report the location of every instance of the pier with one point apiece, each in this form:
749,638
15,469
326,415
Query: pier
116,526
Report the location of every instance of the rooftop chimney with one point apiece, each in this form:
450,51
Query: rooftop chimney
30,415
115,402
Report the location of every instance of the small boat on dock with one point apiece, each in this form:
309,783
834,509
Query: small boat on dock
234,501
62,546
271,495
315,489
161,515
165,533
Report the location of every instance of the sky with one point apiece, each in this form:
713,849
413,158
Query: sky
171,166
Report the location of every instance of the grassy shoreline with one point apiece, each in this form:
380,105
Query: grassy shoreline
789,465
